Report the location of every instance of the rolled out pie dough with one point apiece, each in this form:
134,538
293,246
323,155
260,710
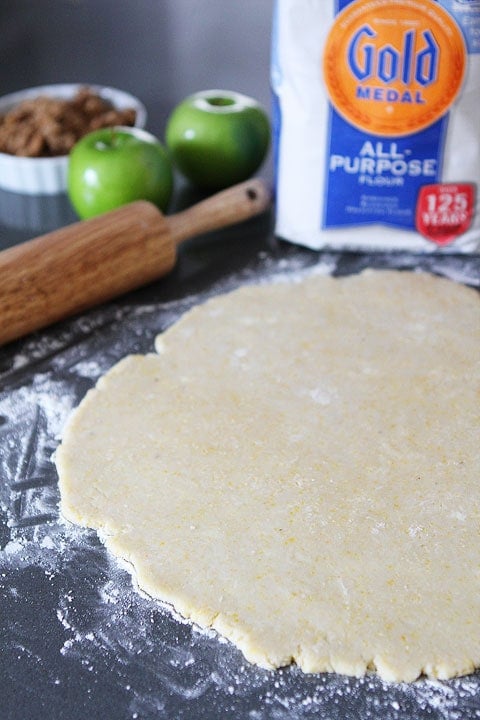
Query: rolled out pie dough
298,467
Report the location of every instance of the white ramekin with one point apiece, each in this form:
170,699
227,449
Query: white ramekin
48,175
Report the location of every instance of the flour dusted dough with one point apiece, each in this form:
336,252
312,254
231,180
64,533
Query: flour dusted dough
298,467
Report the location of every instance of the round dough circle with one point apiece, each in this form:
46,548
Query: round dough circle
298,468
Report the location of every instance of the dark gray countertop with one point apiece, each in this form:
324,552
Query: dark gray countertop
76,638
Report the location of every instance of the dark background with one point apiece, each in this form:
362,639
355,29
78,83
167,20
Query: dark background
76,639
159,50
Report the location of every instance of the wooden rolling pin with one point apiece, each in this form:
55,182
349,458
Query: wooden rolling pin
82,265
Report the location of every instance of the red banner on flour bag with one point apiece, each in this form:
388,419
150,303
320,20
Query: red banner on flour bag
377,140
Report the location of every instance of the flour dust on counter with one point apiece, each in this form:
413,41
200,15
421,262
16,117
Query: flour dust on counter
265,492
73,620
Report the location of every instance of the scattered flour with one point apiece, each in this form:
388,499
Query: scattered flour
155,654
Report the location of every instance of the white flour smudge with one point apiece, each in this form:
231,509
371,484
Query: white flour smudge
98,610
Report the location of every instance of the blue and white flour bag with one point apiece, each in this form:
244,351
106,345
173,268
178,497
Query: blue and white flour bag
377,124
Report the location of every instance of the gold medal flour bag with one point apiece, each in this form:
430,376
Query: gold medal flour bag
377,124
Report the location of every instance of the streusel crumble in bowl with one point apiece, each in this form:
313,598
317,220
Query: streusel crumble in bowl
39,126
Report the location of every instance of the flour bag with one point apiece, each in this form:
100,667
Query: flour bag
377,124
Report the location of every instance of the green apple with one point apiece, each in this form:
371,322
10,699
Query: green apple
111,167
218,138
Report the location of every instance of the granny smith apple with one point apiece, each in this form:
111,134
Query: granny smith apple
218,138
110,167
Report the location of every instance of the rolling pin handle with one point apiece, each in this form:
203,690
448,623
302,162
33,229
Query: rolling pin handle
91,262
235,204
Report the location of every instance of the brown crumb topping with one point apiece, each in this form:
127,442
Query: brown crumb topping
48,127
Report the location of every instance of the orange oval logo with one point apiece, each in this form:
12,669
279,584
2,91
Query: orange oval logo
393,67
